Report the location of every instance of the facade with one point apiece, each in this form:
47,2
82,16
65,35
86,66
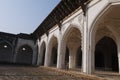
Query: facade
17,49
81,34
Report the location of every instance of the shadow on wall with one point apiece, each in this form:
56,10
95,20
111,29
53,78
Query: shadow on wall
24,55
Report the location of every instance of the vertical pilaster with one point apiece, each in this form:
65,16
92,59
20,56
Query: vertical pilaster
119,64
119,57
47,61
88,56
61,53
38,56
35,53
72,58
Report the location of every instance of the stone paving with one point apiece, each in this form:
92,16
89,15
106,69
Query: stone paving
108,75
47,73
31,73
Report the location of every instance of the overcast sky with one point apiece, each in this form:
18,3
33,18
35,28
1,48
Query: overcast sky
24,16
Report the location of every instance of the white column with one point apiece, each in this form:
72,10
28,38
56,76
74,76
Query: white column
119,57
38,61
72,58
61,56
47,55
88,56
119,63
61,53
40,56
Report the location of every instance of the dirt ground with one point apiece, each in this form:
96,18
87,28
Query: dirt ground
41,73
30,73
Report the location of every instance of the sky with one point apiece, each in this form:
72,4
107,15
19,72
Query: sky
24,16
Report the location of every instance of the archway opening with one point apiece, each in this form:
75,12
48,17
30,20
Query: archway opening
106,55
24,55
106,24
43,57
72,41
79,58
54,56
6,54
67,57
42,54
53,51
99,59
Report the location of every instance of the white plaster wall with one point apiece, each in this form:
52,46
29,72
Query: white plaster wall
97,8
94,9
76,20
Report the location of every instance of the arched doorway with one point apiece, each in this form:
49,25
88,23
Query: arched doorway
24,55
52,54
105,24
99,59
67,57
42,54
72,39
79,58
106,55
6,54
43,57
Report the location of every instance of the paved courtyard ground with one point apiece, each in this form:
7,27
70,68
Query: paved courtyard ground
41,73
30,73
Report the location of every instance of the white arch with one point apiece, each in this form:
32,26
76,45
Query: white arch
94,28
69,29
72,57
48,54
40,54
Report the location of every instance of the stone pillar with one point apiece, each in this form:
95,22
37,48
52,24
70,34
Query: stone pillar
61,56
47,56
88,53
119,57
35,53
119,63
38,56
72,58
61,53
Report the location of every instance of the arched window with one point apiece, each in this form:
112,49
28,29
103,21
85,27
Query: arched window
24,55
5,52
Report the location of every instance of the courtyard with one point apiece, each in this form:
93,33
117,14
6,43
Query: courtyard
17,72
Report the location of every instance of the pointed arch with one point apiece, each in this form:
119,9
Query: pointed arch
24,55
53,47
6,52
71,39
106,54
104,20
42,53
68,30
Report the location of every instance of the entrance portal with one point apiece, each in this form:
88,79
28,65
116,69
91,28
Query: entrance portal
106,55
